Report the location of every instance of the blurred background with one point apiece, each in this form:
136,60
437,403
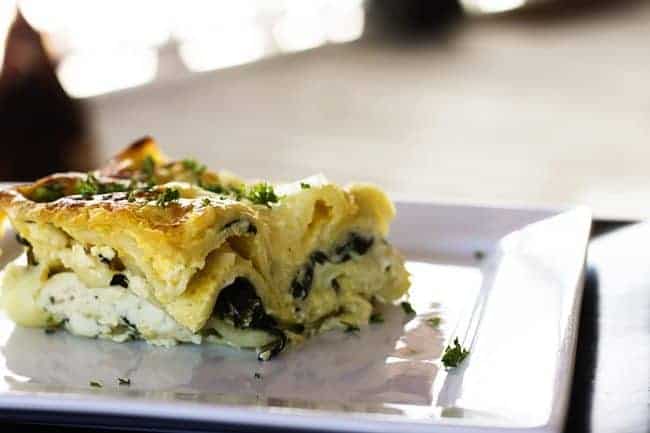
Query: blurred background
504,102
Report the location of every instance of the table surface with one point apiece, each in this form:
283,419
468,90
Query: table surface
611,378
610,387
543,110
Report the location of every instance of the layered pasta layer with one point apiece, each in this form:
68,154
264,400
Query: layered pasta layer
170,252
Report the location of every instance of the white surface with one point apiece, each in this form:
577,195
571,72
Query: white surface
518,313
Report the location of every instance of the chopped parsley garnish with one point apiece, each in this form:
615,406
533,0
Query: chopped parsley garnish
167,196
206,202
148,169
454,355
131,190
434,322
304,185
48,192
89,187
214,187
95,384
262,193
92,186
350,328
233,190
237,191
113,187
123,381
406,306
193,166
376,318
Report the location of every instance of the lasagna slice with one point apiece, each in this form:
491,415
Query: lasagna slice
167,251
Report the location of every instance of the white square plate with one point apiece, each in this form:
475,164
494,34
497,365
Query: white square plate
516,308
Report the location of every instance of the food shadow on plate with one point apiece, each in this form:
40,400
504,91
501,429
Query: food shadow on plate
389,362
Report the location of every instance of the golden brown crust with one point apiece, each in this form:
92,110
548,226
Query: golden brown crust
166,244
67,181
56,200
113,206
159,239
130,160
124,167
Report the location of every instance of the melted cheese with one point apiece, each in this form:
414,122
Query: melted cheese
315,259
112,312
20,286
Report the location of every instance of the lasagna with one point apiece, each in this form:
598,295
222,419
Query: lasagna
168,252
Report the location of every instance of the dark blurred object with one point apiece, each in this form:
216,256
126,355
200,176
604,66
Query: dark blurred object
411,18
571,9
42,129
420,19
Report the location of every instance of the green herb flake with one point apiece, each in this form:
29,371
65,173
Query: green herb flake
193,166
232,190
237,191
92,186
206,202
113,187
95,384
406,306
167,196
148,169
434,322
262,193
214,187
454,355
376,318
304,185
48,192
124,381
89,187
